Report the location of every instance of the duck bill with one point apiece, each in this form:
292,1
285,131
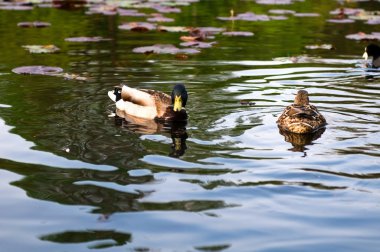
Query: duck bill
365,55
177,103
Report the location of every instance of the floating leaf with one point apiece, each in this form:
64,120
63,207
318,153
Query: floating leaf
130,13
86,39
197,44
68,76
138,26
166,9
323,46
42,70
248,16
341,21
364,36
164,49
173,28
36,24
41,48
16,7
346,11
281,12
279,2
238,33
159,18
306,14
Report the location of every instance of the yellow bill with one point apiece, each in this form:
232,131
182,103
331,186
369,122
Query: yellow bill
177,103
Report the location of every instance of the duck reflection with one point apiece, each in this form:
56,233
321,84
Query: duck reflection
299,141
176,129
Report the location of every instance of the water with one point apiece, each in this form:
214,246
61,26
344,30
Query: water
75,179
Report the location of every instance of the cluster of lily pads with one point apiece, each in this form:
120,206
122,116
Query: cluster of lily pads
193,39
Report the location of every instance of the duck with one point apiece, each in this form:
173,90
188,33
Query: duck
301,117
151,104
372,50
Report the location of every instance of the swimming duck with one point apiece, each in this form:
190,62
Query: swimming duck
374,51
151,104
301,117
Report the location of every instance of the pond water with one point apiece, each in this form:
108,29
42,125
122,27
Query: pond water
75,179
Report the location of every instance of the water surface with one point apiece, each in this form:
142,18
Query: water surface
75,179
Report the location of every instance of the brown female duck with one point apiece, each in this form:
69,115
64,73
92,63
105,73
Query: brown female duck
301,117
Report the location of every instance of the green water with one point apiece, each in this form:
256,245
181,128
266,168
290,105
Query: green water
75,179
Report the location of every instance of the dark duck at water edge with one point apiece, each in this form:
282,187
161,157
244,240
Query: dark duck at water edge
151,104
373,51
301,117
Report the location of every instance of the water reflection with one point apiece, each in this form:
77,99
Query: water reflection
299,141
177,130
102,238
107,191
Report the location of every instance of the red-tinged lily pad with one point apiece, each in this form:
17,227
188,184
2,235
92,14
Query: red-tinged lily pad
36,24
16,7
41,48
162,28
159,18
86,39
239,33
137,26
341,21
198,44
364,36
42,70
346,11
164,49
323,46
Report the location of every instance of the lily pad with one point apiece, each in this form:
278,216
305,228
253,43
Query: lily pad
86,39
346,11
35,24
239,33
138,26
341,21
164,49
130,13
173,28
16,7
41,70
323,46
159,18
166,9
281,12
364,36
248,16
278,2
197,44
306,14
41,48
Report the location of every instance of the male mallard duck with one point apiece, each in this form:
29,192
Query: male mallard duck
301,117
374,51
151,104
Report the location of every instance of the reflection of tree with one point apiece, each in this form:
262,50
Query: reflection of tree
299,141
84,187
118,238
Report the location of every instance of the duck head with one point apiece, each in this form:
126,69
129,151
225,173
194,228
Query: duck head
302,98
179,97
371,50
